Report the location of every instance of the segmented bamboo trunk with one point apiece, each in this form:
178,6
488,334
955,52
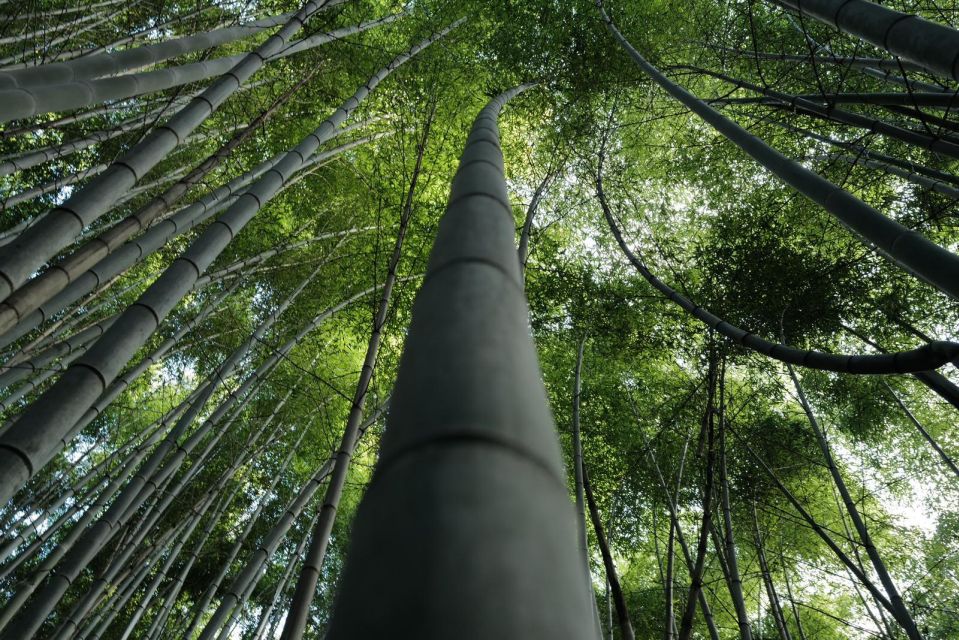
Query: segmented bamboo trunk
28,448
18,162
91,264
470,428
35,246
115,62
25,102
931,45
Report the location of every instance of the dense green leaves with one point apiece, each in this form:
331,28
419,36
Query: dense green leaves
704,217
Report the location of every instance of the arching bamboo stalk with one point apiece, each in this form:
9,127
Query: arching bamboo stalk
920,359
904,247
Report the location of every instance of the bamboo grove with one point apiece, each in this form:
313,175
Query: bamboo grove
445,319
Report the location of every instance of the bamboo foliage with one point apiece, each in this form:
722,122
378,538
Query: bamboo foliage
225,414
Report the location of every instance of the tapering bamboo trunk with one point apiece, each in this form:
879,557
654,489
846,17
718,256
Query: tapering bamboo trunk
468,426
